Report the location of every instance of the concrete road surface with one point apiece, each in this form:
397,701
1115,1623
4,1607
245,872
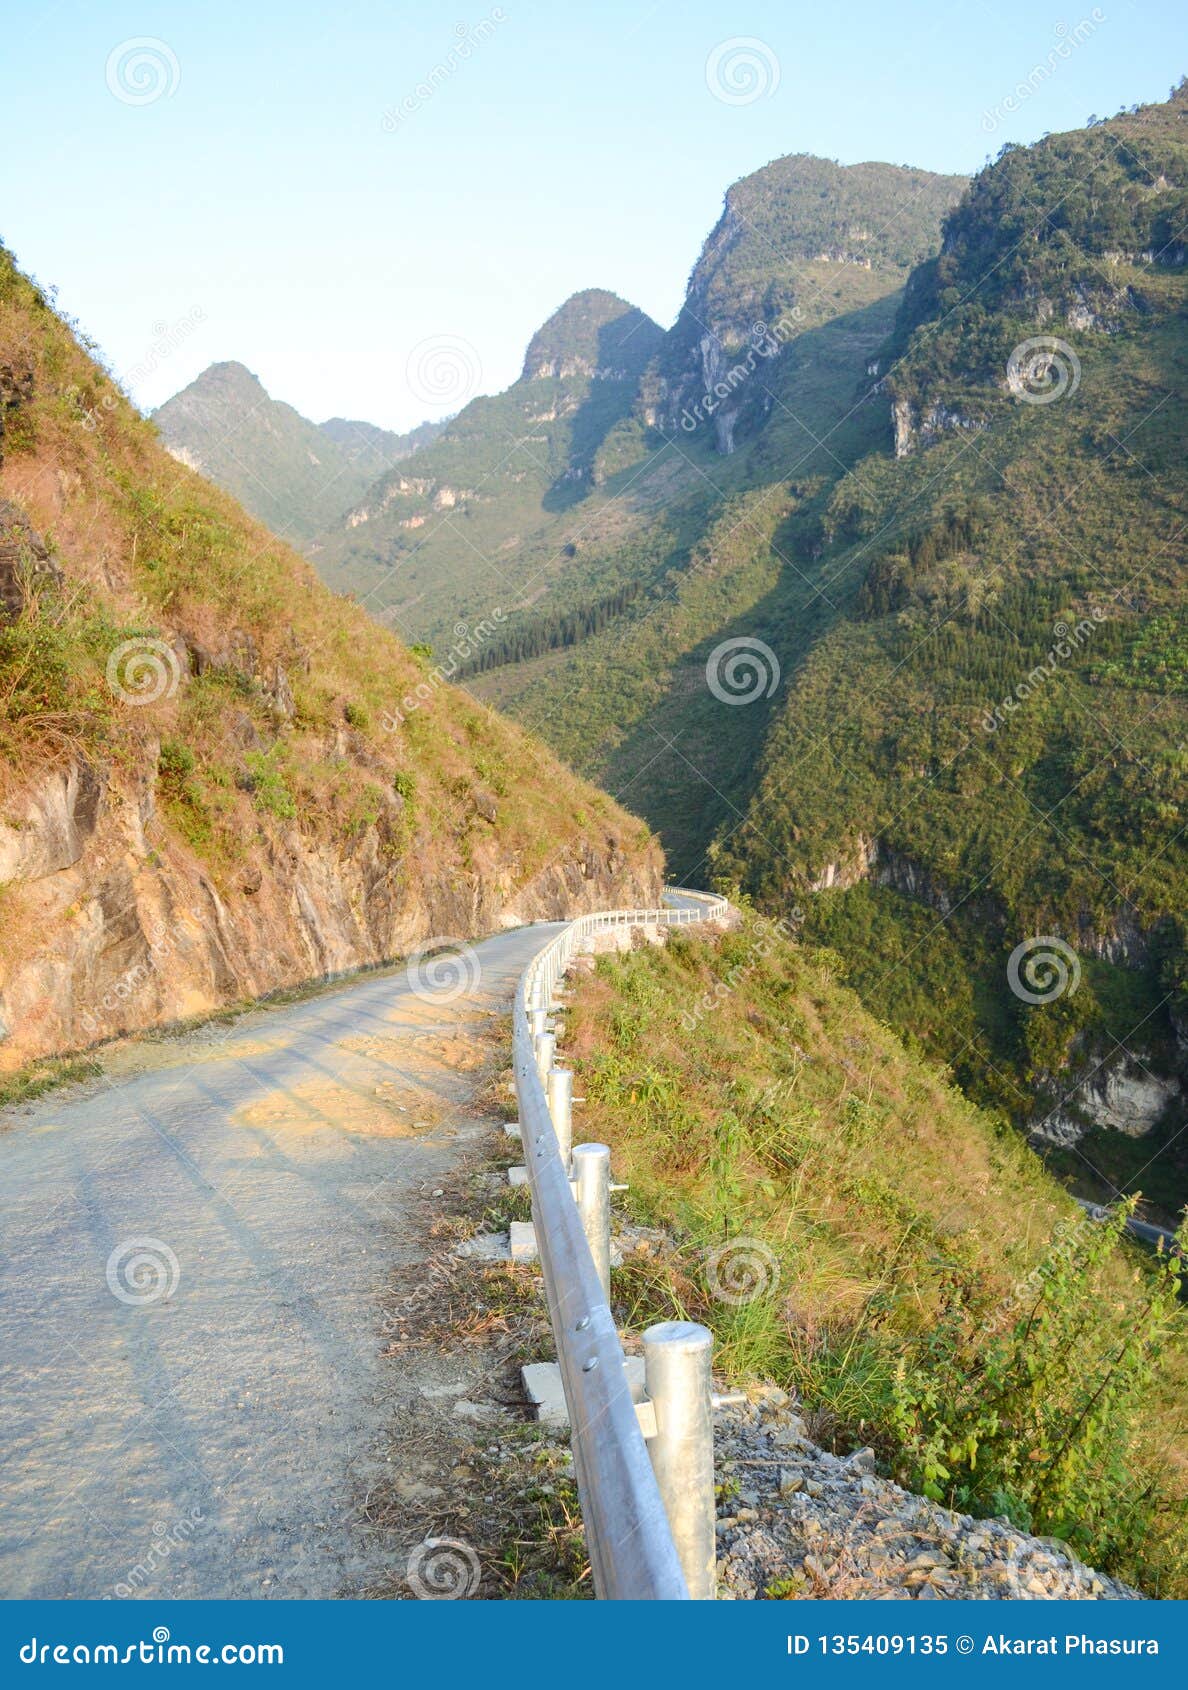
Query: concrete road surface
193,1398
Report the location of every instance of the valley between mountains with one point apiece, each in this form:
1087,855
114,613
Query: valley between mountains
943,599
857,595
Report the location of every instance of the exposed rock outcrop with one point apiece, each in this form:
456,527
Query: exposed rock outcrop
917,427
108,924
25,563
1123,1094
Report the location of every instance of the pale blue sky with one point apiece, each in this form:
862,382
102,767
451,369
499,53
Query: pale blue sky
261,200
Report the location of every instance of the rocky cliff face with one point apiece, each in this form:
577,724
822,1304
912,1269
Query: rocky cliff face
110,925
1123,1090
781,260
1122,1094
915,426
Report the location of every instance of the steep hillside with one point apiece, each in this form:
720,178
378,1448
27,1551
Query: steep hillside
758,400
295,475
911,655
445,539
849,1225
798,243
216,778
986,747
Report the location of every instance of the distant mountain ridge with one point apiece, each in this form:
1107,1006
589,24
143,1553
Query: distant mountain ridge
297,476
775,264
450,537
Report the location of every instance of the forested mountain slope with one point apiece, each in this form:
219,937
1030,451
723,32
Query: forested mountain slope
295,475
750,407
988,741
911,658
447,538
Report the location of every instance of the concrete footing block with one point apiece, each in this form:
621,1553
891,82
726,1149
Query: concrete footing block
542,1387
522,1237
517,1176
511,1129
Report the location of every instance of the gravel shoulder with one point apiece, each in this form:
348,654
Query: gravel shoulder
797,1521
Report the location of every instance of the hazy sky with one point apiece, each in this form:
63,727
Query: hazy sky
295,186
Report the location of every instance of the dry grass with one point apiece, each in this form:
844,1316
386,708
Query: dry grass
791,1131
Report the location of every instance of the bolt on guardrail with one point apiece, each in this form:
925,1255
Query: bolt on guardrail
648,1507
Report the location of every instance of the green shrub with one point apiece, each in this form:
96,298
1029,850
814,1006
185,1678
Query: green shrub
268,787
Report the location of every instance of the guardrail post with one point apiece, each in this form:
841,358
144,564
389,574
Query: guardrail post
679,1384
591,1174
537,1022
544,1045
560,1094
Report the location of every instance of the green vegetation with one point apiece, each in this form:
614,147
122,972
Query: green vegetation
998,702
483,516
529,636
52,659
256,708
981,641
265,780
298,477
32,1082
800,243
851,1226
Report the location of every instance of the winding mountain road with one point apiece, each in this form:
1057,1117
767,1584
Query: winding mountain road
190,1307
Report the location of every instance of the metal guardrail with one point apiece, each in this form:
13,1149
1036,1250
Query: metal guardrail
629,1533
